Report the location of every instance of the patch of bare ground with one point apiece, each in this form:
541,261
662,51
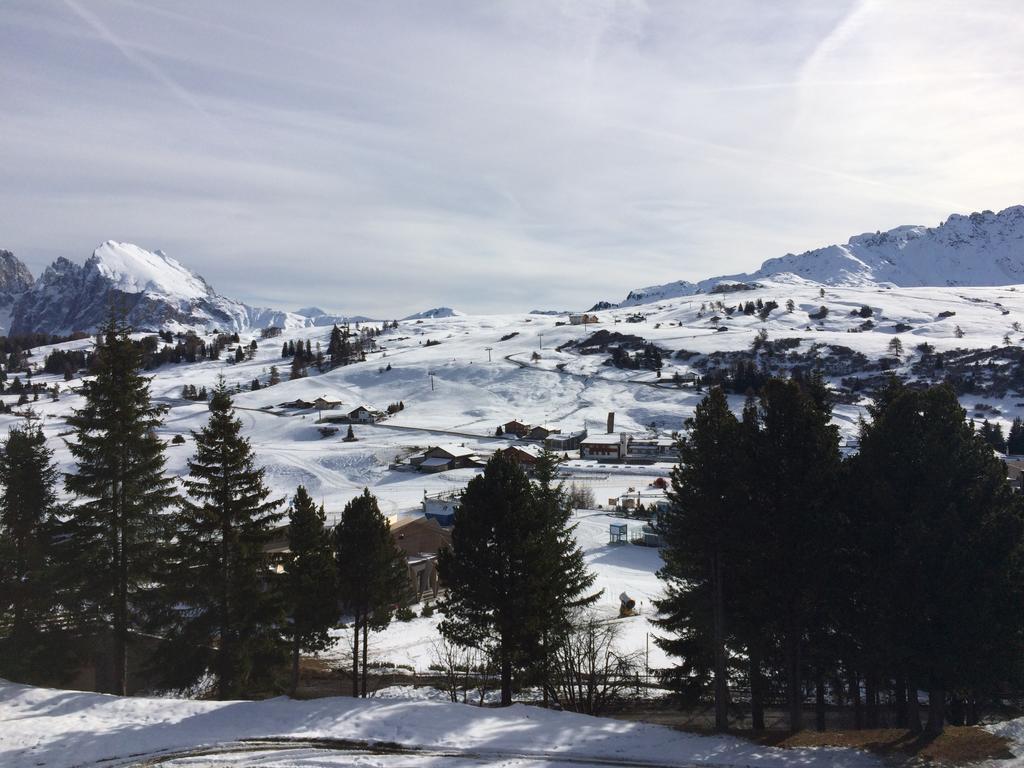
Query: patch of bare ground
958,745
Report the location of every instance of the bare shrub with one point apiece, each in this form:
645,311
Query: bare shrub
588,672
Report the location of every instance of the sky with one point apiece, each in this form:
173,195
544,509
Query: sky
385,157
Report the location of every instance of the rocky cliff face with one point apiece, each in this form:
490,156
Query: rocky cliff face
15,279
151,289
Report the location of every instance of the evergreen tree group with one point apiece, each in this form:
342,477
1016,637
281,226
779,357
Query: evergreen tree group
792,573
130,565
30,639
116,533
223,608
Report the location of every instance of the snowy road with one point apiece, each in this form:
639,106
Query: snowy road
314,753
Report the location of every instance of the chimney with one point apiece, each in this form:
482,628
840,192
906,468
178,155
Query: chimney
611,422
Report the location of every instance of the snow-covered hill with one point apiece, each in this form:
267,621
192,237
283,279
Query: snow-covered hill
153,289
976,250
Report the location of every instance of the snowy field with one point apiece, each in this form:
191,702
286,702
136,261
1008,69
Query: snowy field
62,729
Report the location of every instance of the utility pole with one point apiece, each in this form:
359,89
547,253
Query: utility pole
541,337
488,353
431,375
647,660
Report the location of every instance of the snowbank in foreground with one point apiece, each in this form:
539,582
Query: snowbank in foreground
1013,732
43,727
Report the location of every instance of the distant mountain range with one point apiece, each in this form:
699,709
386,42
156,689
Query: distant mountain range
154,290
157,291
979,249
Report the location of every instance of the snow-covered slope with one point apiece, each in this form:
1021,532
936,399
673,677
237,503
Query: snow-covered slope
155,290
976,250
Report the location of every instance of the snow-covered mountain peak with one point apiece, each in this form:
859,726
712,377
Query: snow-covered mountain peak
132,269
432,314
154,290
977,249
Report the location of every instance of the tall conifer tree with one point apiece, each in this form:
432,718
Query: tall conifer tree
310,580
118,527
511,555
372,576
226,595
27,583
568,582
708,500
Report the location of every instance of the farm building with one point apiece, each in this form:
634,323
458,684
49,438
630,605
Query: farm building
421,539
324,403
526,455
364,415
298,403
441,458
1015,473
560,442
542,432
515,427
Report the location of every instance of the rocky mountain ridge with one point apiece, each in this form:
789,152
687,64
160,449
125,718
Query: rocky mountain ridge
153,290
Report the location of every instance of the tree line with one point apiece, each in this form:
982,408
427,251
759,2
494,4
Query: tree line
793,574
131,557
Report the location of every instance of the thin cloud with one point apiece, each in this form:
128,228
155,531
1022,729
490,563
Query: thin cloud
385,157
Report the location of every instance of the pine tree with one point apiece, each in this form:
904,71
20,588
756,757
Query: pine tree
702,535
1015,438
334,347
222,573
793,466
27,583
566,585
116,533
275,376
372,575
511,555
309,582
896,346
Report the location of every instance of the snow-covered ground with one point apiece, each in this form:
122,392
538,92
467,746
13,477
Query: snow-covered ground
1013,732
62,729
